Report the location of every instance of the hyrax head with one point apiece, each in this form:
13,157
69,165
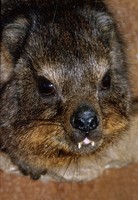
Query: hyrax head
66,94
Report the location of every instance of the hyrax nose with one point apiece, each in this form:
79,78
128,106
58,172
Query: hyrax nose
84,119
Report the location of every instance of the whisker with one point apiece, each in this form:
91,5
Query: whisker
68,164
29,121
76,166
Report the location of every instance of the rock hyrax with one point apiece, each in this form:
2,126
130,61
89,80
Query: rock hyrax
65,91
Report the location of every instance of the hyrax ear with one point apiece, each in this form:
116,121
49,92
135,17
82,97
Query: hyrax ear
105,27
12,43
6,65
14,35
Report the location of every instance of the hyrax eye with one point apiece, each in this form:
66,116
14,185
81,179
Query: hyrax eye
45,86
106,82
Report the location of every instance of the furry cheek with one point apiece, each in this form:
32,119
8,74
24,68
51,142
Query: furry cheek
114,122
42,140
41,145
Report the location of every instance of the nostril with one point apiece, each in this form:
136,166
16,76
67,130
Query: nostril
78,123
85,124
93,122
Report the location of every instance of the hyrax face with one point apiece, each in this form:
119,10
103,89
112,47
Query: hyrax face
65,94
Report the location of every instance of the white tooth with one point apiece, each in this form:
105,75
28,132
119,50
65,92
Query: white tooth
79,145
93,143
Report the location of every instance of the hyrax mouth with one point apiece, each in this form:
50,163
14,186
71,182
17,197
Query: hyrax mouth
86,142
89,145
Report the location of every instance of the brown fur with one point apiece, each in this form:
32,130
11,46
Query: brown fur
72,44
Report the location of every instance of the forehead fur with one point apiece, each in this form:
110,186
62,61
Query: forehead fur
77,53
90,70
79,39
